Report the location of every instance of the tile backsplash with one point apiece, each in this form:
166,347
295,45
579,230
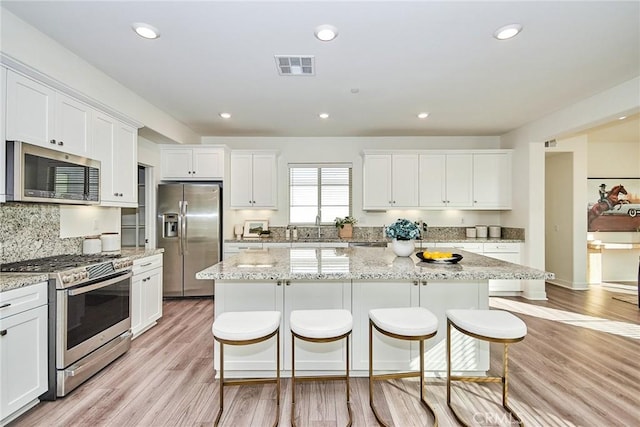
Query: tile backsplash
32,230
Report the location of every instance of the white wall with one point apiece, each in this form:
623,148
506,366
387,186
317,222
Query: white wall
349,149
80,221
528,164
24,43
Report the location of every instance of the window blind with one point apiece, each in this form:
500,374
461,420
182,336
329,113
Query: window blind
319,191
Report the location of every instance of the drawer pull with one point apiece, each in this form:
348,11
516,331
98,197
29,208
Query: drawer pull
3,332
146,265
5,305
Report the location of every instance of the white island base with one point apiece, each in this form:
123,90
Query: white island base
471,357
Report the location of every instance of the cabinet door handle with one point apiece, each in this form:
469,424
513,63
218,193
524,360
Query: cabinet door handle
52,141
146,265
3,332
194,172
5,305
287,282
189,172
415,283
60,143
424,283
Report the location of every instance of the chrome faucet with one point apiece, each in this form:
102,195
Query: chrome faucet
318,224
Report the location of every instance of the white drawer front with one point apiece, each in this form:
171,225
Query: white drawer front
469,247
145,264
502,247
21,299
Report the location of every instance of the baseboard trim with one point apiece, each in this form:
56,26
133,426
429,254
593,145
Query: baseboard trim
569,285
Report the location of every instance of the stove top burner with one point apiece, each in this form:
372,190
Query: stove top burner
55,263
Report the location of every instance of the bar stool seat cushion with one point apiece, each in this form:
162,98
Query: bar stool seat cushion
409,321
321,323
497,324
245,325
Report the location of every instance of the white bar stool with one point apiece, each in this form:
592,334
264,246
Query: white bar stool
409,324
244,328
488,325
319,326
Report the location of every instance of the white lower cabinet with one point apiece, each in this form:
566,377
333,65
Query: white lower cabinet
509,252
315,295
397,355
146,294
390,354
471,356
283,296
249,296
23,349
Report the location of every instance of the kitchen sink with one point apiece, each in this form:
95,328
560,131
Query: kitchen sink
369,244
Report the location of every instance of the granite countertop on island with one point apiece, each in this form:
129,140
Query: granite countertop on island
360,263
362,240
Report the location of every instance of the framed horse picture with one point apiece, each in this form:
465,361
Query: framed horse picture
614,204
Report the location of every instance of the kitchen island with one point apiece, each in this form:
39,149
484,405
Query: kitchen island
356,279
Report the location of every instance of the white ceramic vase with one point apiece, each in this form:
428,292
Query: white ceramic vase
403,247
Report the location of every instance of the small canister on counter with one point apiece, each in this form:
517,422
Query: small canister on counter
91,245
110,242
471,233
481,231
495,231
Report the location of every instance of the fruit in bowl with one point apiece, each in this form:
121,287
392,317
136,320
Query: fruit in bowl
436,255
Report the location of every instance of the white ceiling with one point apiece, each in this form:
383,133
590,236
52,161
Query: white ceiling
403,57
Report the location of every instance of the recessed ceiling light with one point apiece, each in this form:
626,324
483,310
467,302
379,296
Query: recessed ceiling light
507,31
145,30
323,115
423,115
326,32
622,118
225,115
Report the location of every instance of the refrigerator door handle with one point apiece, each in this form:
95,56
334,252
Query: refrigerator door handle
184,225
180,249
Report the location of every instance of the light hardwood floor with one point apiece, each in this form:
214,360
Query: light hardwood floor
565,373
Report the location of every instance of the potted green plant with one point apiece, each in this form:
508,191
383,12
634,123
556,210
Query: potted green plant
345,226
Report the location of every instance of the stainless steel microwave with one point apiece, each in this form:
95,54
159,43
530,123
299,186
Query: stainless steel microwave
37,174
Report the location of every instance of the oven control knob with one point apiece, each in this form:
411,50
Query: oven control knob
67,278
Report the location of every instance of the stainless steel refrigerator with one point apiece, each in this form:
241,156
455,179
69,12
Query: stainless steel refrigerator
188,228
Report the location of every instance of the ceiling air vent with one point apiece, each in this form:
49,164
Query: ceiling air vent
300,65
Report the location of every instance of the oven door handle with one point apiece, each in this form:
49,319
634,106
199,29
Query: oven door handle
101,284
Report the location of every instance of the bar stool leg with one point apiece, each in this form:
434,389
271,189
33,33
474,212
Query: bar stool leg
293,381
505,384
348,387
221,387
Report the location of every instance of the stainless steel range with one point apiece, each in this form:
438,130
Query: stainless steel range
89,314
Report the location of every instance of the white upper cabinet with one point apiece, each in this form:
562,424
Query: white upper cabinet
30,111
192,163
459,180
73,120
40,115
446,180
115,145
390,181
492,180
253,180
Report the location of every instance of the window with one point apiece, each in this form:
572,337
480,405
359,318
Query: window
319,191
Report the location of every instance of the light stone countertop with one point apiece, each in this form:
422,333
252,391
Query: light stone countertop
360,263
9,281
355,240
